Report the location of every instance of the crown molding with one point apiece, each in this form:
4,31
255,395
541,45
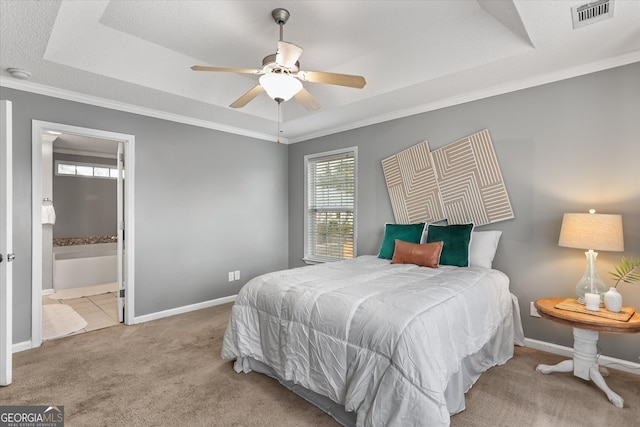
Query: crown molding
513,86
128,108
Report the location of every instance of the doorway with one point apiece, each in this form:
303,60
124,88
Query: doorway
80,179
123,145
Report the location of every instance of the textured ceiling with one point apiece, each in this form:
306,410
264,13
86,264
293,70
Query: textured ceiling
415,55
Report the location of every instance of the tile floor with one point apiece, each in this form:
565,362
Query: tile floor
100,311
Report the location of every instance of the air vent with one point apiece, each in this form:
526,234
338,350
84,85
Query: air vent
591,13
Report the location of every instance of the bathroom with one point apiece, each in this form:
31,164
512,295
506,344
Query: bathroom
79,234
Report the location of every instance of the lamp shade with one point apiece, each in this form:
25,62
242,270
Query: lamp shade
280,87
600,232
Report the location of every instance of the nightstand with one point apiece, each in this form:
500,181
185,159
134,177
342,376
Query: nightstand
585,339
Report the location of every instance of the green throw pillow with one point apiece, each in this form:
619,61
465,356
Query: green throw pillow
456,240
407,232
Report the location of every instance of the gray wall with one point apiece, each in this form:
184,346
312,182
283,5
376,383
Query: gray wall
563,147
209,202
85,207
206,203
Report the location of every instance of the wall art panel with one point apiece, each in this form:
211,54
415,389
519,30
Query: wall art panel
460,182
412,185
470,181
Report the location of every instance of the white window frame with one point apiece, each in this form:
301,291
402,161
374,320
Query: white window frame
308,256
91,165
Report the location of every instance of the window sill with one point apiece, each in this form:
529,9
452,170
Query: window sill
313,261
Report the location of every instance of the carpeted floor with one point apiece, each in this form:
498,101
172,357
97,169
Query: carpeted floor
168,372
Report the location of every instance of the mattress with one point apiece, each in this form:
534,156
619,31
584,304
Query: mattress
394,344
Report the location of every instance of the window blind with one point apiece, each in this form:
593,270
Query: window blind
331,191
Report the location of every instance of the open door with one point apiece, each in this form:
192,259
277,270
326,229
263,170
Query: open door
6,243
120,244
126,251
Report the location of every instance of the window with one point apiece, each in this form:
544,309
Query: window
330,201
69,168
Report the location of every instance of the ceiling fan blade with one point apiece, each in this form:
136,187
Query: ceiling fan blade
307,100
226,70
247,97
332,79
287,54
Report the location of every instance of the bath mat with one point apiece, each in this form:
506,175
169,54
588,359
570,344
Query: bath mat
59,320
86,291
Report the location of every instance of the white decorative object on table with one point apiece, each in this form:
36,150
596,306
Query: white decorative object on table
613,300
592,301
627,271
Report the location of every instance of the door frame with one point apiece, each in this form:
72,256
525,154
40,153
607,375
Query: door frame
37,128
6,243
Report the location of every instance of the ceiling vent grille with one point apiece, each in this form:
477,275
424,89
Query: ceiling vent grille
591,13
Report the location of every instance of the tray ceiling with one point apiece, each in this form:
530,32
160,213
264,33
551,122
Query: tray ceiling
416,56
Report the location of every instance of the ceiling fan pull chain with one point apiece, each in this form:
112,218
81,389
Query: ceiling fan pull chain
279,121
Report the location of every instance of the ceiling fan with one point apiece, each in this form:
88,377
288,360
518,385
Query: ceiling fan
281,76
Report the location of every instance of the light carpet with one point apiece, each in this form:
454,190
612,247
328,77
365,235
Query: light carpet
59,320
85,291
168,372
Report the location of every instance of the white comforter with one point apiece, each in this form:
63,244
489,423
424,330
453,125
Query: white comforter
381,339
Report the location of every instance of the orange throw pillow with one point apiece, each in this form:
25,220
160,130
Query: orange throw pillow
425,255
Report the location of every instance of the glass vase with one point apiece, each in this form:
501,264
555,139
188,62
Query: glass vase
591,283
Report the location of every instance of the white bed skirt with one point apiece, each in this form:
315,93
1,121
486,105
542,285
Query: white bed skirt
498,350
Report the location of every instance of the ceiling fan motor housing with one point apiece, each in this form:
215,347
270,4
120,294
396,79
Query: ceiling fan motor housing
270,61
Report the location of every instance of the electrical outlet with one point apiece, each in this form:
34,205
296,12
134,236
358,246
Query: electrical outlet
231,275
533,312
236,275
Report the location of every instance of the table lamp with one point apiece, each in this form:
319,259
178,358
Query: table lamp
593,232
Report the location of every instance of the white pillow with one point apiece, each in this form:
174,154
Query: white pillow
482,248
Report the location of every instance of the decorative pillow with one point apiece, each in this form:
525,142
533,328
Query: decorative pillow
456,240
483,248
426,255
407,232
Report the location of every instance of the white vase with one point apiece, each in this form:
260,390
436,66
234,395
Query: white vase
613,300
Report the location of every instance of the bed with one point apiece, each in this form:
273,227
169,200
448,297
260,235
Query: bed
376,343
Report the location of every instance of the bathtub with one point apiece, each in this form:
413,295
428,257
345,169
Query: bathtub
84,265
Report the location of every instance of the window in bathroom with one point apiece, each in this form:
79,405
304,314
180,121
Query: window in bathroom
68,168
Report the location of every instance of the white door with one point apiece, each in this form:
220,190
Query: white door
6,245
120,243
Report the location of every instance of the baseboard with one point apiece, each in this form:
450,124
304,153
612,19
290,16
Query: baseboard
26,345
47,292
184,309
611,362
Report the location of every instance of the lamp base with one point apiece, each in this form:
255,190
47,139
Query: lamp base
591,281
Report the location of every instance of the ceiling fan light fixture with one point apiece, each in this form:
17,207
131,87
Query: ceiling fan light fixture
280,87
